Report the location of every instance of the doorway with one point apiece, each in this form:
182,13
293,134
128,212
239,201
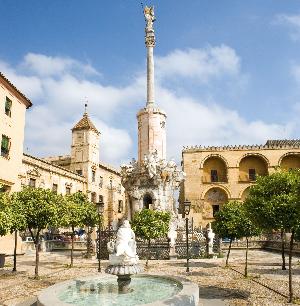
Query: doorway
147,201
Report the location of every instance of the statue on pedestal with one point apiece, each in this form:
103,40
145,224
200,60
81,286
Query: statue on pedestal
149,17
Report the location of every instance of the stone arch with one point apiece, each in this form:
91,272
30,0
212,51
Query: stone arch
213,199
214,169
244,193
222,187
251,165
290,160
216,156
147,200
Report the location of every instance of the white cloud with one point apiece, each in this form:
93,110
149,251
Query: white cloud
291,21
54,66
58,92
200,64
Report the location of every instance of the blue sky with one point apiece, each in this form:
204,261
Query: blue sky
227,72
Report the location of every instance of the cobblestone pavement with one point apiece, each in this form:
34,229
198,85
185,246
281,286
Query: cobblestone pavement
216,283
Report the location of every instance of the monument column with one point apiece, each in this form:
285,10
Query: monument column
151,119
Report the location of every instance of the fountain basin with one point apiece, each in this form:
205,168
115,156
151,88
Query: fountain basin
151,290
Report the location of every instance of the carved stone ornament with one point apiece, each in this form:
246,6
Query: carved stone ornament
34,173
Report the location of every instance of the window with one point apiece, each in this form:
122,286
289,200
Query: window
93,197
54,188
120,206
214,175
252,175
4,188
215,208
5,146
8,104
68,190
101,198
93,175
101,182
79,172
119,188
32,182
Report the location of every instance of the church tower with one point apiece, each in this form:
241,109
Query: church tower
85,148
151,120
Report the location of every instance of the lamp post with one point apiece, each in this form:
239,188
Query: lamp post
187,208
100,210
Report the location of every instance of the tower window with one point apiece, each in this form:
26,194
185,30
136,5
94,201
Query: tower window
93,175
100,181
214,175
54,188
32,182
68,190
100,198
252,175
93,197
8,104
5,146
79,172
120,206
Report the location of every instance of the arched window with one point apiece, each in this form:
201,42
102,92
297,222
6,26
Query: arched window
147,201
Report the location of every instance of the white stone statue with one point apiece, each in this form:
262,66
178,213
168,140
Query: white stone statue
149,17
210,236
124,249
150,162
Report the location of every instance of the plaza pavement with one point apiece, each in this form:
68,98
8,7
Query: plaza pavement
217,285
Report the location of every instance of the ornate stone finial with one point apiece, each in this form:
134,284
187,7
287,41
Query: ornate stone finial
149,18
86,105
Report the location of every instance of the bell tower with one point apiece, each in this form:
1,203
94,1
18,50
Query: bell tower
85,147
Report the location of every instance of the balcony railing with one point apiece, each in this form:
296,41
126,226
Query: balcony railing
247,178
208,179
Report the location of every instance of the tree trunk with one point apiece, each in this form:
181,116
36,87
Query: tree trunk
282,249
148,253
72,246
291,297
37,255
228,253
15,251
88,243
246,263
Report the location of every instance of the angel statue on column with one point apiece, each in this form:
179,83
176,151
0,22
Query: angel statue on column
149,17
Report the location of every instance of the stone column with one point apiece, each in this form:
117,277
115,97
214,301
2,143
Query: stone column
150,76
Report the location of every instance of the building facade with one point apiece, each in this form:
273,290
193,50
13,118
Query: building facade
80,171
215,175
13,105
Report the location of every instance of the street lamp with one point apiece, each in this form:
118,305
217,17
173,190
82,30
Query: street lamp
100,210
187,208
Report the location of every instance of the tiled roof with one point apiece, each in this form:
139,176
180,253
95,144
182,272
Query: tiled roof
27,101
85,124
270,144
283,143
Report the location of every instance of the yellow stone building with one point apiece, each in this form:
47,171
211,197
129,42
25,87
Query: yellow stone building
215,175
79,171
13,105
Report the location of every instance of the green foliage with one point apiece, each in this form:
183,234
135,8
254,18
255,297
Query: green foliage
151,224
227,221
273,202
5,214
39,208
78,211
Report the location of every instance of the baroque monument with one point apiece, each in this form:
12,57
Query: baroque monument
150,181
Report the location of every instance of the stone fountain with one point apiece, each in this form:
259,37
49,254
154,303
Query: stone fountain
123,260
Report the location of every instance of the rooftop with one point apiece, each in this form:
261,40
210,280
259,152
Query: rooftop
13,87
270,144
85,123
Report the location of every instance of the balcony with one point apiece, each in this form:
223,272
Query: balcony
246,178
209,179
